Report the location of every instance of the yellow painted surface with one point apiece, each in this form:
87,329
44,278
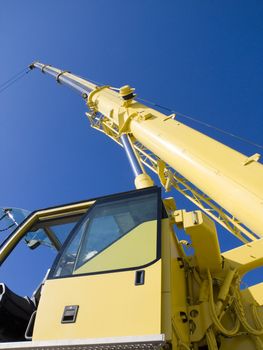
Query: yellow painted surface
173,288
204,239
178,291
256,292
109,305
247,257
166,281
136,248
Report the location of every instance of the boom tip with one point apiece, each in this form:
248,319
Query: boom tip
32,65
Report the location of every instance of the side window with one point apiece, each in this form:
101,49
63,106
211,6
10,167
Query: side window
32,257
25,268
115,234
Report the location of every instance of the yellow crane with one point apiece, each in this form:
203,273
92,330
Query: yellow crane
121,278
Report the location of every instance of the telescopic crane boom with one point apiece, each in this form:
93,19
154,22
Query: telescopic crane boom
224,183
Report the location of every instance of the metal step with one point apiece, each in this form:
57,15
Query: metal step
147,342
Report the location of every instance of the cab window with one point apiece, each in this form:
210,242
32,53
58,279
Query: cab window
115,234
29,259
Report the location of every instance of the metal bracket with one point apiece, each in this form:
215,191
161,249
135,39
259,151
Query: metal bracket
90,102
254,158
172,116
44,66
204,238
59,74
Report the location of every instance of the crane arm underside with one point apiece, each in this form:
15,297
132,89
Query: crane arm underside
169,178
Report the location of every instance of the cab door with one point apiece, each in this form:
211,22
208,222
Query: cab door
107,280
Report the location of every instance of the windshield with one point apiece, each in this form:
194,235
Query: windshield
108,232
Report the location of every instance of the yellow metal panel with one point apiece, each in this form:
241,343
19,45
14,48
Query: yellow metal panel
247,257
109,305
178,292
257,293
204,239
166,281
136,248
173,288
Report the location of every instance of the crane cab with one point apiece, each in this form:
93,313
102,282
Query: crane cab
110,281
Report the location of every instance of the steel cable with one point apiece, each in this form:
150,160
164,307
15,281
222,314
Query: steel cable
203,123
13,79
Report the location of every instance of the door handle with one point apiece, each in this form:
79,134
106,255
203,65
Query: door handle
139,277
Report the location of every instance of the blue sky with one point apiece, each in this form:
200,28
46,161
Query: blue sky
202,58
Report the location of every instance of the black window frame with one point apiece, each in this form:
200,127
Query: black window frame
110,198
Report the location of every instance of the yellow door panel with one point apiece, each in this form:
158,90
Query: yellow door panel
109,305
142,242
